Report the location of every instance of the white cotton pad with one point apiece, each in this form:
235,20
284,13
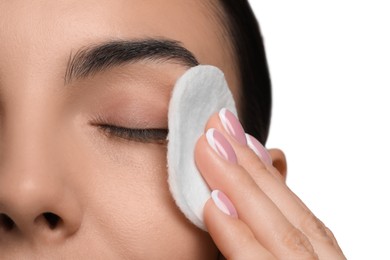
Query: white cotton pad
198,93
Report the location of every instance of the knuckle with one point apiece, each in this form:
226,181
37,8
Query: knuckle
329,233
333,238
315,229
297,243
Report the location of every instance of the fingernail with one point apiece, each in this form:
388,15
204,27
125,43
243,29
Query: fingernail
223,203
259,149
219,143
232,125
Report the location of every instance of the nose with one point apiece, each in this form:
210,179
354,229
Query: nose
37,203
38,208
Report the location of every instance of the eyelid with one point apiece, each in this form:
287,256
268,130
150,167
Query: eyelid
147,135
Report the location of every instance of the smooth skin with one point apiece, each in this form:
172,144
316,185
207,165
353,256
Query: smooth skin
272,222
109,193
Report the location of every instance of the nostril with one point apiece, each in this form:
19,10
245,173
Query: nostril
52,219
6,222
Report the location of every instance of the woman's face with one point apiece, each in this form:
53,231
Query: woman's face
70,183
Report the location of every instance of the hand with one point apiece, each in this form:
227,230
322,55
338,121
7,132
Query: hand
252,213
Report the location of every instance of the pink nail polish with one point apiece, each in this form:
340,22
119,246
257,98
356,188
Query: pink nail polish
259,149
232,125
223,203
219,143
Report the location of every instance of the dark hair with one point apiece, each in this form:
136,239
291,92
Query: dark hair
248,48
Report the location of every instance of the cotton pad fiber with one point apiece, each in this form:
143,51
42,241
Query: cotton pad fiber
197,94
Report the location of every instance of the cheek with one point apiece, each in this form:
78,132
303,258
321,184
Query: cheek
129,204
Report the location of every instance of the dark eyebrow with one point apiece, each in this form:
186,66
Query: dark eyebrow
97,58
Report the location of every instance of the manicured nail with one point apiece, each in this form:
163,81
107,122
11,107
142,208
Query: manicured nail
219,143
223,203
259,149
232,125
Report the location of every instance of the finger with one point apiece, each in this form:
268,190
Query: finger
225,122
219,168
233,237
269,181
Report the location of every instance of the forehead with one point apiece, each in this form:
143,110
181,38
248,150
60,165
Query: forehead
45,26
46,22
46,31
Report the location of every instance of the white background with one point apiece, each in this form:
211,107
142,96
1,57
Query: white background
330,67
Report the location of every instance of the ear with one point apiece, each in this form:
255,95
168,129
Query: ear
279,161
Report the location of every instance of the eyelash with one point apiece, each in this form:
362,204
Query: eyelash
149,135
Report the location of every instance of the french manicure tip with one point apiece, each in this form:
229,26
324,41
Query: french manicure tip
232,125
259,149
221,145
223,203
210,138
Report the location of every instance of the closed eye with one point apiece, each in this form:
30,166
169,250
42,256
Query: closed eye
148,135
